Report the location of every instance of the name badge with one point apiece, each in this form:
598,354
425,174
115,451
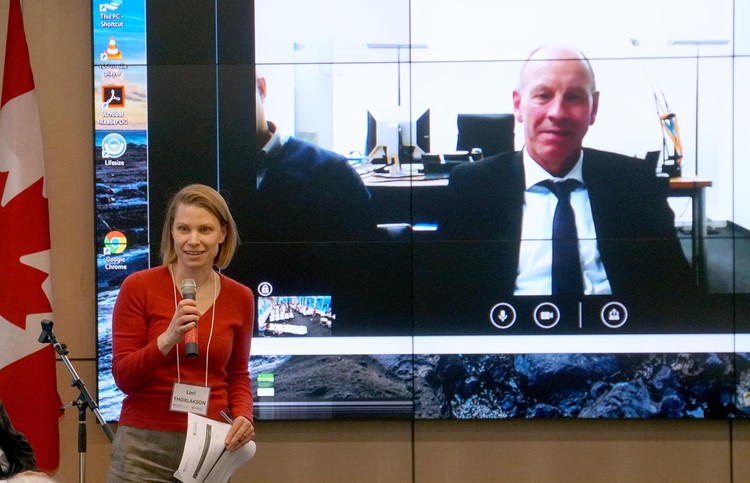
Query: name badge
190,399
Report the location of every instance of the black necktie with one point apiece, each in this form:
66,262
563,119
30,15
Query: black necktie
566,264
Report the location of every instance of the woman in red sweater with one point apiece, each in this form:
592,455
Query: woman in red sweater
152,320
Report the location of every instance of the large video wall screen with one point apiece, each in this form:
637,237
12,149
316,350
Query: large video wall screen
370,302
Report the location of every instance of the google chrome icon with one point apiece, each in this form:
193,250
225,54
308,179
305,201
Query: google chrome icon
114,243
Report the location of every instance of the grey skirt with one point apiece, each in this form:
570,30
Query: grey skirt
145,455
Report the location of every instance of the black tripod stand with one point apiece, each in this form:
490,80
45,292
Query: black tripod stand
84,398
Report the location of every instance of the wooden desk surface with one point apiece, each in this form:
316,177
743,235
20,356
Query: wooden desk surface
688,182
681,183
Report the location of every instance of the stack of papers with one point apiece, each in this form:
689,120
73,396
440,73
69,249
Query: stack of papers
205,457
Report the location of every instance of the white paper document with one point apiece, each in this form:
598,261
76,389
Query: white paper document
205,457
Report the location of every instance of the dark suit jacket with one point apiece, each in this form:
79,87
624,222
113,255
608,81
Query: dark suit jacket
636,236
311,194
314,199
16,447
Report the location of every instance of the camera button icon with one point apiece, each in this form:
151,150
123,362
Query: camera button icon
546,315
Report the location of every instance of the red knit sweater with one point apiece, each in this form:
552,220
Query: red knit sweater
143,310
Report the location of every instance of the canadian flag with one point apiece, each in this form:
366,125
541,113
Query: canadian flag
28,382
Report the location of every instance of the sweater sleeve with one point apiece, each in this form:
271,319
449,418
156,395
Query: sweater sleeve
134,357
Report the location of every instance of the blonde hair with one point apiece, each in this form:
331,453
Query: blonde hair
209,199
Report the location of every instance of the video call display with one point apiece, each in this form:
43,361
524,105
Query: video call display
385,265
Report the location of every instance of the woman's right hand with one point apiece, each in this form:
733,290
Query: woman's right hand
184,319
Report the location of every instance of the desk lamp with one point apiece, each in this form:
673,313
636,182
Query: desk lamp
698,44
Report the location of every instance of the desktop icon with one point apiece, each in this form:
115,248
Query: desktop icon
110,6
113,96
112,52
113,145
114,243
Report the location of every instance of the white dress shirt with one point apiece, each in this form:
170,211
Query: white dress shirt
535,258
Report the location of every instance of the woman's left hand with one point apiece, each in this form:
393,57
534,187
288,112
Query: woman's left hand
241,432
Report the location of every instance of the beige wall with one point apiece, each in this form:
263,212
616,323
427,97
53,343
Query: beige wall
59,37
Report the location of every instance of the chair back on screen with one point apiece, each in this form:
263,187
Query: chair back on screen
652,158
493,133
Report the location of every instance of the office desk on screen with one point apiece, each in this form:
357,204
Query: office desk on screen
695,189
408,199
423,199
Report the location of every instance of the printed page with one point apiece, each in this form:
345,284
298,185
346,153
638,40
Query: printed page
205,457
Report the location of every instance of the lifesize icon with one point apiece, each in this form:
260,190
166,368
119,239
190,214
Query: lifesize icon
113,145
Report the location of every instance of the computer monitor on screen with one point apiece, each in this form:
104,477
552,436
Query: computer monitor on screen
396,133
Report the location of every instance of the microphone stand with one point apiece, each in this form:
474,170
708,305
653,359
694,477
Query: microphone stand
84,398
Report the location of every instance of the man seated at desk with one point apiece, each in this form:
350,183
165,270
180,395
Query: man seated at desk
616,235
305,192
310,230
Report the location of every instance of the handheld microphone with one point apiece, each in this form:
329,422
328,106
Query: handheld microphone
188,289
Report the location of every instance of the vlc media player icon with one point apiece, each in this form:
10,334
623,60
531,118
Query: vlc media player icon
112,52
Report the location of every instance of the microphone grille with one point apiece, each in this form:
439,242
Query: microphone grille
188,287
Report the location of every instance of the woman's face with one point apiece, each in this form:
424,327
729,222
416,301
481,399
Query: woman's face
197,236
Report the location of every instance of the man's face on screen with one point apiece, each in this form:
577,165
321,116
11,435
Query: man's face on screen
557,102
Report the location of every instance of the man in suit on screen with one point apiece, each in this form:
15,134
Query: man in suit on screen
503,220
305,192
310,230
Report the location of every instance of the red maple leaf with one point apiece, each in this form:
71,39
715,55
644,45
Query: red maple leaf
24,229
